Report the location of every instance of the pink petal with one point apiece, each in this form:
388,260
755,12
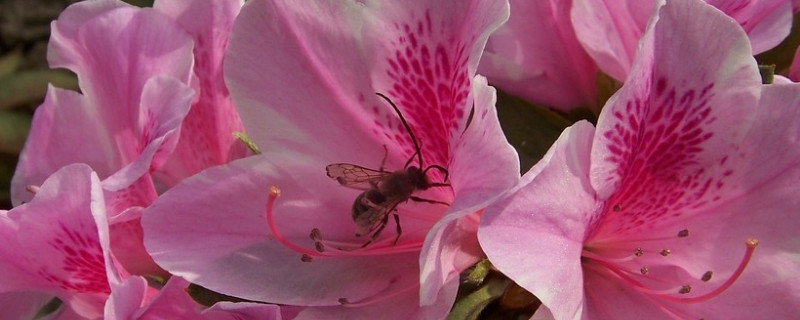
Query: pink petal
206,133
424,58
194,232
15,274
536,55
767,22
308,70
164,103
610,31
68,233
664,138
451,245
400,307
246,310
171,302
125,299
538,238
111,123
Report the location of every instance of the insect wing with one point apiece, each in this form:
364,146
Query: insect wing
353,176
369,220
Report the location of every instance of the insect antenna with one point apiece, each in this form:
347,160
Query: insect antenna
405,124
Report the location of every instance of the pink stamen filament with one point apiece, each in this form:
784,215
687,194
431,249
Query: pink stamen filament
624,274
751,247
377,298
332,248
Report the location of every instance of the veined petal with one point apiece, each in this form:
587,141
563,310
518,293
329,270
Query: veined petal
307,53
451,246
63,237
664,139
164,103
115,53
611,30
535,237
206,132
767,22
424,58
536,55
113,76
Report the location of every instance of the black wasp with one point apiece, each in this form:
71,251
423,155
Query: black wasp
384,190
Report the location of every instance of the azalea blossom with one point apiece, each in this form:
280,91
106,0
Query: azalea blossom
134,110
680,204
134,66
610,29
58,244
306,78
536,55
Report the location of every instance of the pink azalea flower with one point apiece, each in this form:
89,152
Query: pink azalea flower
58,244
133,108
536,55
133,65
610,29
657,212
304,76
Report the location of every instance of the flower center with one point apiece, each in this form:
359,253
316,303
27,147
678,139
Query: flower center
330,249
648,269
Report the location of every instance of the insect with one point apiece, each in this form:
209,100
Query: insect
385,190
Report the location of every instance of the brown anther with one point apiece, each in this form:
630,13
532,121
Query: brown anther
315,234
752,242
306,258
638,252
274,191
665,252
685,289
343,301
683,233
644,270
319,246
617,208
706,276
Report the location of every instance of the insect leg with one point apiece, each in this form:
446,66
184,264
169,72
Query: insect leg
377,232
385,154
399,229
418,199
440,168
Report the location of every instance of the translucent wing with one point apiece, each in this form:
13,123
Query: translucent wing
353,176
370,216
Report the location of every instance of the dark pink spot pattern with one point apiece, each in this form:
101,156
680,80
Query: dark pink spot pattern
430,85
655,145
81,268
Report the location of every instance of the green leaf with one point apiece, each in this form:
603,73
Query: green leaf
767,73
470,306
49,308
9,63
529,128
14,127
31,86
